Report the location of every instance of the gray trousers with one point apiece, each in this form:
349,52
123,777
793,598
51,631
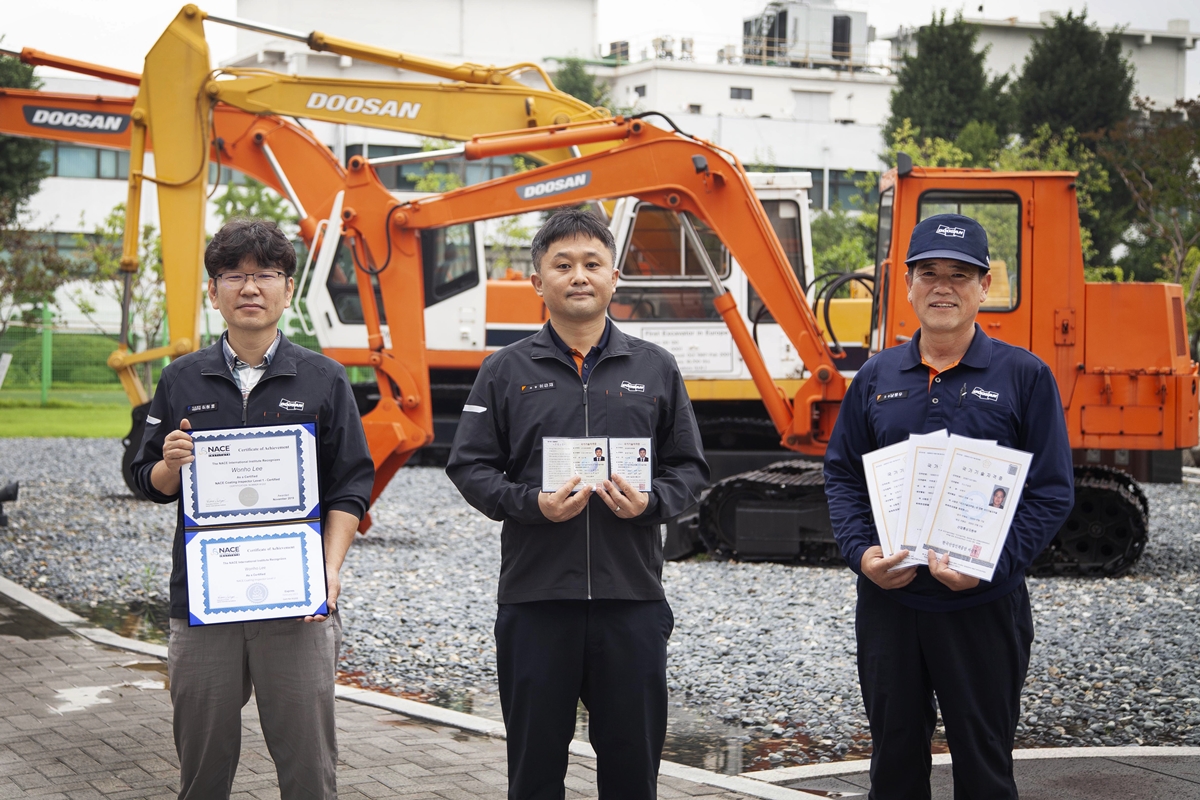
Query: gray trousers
290,666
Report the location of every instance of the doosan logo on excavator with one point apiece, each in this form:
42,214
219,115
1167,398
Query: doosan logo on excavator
66,119
370,106
554,186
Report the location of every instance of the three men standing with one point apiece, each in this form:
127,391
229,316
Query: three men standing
582,613
255,376
929,631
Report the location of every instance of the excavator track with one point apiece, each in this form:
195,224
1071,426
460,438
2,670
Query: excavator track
1107,530
779,513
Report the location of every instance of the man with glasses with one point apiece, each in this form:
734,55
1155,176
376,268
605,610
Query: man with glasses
926,631
255,376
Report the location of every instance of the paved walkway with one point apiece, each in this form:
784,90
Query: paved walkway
79,720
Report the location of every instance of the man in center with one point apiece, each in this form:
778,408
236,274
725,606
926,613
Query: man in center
582,614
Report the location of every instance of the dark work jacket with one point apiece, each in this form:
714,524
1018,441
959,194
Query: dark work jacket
997,391
200,388
532,389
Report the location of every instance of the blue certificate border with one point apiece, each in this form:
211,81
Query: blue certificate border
198,515
260,537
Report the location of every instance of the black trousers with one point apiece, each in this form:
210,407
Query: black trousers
974,660
612,654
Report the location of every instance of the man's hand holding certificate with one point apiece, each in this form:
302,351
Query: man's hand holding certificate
946,495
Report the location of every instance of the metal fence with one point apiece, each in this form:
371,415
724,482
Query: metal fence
48,364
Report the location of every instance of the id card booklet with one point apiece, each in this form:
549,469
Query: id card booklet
595,459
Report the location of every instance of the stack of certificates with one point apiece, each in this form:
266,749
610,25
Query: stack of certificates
946,494
252,525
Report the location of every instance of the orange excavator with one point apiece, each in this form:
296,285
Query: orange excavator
1119,351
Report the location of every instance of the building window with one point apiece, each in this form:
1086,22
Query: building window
73,161
403,177
640,91
741,93
694,108
844,191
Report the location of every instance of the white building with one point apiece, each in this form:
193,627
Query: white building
824,120
1158,58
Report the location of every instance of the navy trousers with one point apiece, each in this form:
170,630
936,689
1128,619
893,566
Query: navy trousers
973,660
612,654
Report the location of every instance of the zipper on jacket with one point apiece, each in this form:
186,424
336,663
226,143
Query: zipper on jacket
587,510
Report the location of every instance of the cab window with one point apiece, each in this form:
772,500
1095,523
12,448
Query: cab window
785,220
658,249
1000,215
342,285
449,259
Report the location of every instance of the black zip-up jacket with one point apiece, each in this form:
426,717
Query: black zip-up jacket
297,386
532,389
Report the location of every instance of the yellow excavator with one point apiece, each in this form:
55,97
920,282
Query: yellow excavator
179,90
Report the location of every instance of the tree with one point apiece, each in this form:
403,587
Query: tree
254,199
31,269
1156,154
842,242
1076,78
944,86
21,164
573,78
147,306
431,179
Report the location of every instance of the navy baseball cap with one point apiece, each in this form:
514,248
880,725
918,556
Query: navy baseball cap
949,236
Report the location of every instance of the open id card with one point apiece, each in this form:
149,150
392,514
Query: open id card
595,459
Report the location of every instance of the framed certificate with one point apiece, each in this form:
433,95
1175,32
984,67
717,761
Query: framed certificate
250,574
251,476
253,543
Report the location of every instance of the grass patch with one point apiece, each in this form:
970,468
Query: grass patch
74,420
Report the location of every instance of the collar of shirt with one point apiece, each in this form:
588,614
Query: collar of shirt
583,363
235,363
978,355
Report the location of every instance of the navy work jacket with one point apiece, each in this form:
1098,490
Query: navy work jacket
997,391
531,390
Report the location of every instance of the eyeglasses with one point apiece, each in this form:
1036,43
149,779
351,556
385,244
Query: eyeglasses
264,279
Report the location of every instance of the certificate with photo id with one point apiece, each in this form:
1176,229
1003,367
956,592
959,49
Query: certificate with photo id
595,459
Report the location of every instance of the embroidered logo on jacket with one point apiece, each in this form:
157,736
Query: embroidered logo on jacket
536,387
633,387
883,397
984,394
196,408
291,405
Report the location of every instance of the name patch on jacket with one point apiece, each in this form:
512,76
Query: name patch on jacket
291,405
196,408
536,387
883,397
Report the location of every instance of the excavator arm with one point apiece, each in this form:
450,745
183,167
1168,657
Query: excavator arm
673,171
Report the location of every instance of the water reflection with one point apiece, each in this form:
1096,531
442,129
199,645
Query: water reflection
144,621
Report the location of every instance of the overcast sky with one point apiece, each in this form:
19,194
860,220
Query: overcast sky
119,32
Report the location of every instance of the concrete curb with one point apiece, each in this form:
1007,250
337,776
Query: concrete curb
789,774
409,708
75,623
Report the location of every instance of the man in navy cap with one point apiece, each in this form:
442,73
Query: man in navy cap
926,631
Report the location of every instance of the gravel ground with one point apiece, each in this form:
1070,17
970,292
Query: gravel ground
762,650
